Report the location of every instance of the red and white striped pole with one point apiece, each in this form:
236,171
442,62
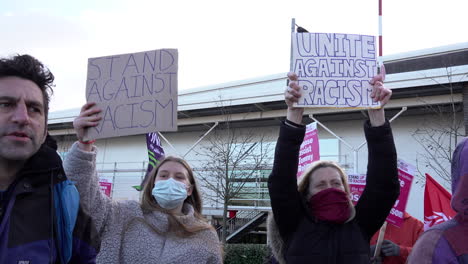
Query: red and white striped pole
380,28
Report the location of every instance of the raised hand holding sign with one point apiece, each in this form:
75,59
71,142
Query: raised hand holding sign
137,93
334,69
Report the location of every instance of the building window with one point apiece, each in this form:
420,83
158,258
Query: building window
329,149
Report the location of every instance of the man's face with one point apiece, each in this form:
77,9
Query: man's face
22,119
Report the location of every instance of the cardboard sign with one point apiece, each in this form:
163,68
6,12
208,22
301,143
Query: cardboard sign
334,69
309,151
406,174
105,184
137,93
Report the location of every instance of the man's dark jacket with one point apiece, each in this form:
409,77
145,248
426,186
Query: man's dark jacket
308,240
29,228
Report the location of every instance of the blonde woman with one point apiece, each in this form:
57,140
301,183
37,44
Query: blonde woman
316,222
166,226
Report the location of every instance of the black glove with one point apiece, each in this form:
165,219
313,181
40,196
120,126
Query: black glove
390,249
372,250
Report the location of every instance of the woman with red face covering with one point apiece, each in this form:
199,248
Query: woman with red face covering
315,221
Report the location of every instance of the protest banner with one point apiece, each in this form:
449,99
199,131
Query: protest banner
334,69
155,150
406,174
309,151
137,93
437,208
105,184
356,182
155,156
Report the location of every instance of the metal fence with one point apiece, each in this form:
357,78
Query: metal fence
125,175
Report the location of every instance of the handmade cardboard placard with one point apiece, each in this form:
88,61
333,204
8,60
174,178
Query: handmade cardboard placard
334,69
137,93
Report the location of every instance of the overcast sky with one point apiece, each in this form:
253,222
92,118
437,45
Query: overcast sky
218,41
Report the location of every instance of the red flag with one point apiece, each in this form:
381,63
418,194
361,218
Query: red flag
437,207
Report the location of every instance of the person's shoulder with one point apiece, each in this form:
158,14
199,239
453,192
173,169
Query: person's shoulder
432,234
413,221
129,204
208,239
425,247
128,207
210,233
443,226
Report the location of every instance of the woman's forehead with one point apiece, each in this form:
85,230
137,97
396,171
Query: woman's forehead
172,166
326,173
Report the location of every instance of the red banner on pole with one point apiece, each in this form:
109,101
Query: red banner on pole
437,207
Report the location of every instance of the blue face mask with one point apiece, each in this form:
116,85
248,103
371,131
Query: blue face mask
169,193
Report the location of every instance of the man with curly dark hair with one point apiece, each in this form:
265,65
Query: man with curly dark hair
41,220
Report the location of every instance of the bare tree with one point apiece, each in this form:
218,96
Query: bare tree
233,158
439,135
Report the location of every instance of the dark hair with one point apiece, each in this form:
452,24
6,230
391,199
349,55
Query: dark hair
29,68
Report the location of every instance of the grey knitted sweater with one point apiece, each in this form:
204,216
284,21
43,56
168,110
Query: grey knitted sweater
125,239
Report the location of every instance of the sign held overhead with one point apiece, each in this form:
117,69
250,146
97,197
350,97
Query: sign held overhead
334,69
137,93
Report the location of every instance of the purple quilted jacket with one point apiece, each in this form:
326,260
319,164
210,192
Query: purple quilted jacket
447,243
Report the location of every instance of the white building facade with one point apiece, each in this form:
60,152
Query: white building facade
427,83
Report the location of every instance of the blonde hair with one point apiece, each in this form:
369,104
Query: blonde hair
148,203
306,179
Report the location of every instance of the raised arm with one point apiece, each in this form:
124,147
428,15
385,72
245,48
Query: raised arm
382,94
291,96
286,202
80,167
382,186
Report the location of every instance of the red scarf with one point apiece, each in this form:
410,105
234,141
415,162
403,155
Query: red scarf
331,205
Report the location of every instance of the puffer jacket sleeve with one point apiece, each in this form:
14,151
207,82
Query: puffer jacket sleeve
432,248
286,202
382,185
86,241
80,167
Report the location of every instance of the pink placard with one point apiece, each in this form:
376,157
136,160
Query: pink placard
309,151
105,184
406,173
357,182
